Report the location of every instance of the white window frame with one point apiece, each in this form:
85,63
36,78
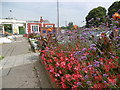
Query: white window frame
32,28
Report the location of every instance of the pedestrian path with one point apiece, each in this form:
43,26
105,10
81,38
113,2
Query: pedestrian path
18,68
12,61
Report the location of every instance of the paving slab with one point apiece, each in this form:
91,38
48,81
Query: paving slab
21,77
10,62
19,60
5,72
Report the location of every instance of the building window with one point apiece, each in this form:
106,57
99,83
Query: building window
35,28
49,32
43,31
54,31
48,26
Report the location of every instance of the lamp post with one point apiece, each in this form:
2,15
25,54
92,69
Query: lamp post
10,14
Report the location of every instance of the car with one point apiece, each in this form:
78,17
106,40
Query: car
107,33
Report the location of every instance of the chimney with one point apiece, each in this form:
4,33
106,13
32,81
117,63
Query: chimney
41,20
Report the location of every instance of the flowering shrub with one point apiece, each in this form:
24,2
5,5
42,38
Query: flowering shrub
82,67
77,60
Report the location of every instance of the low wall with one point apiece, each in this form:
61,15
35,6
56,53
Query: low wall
43,75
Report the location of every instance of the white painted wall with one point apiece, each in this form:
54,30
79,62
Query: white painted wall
15,24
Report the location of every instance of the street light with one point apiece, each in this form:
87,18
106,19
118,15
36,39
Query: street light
10,14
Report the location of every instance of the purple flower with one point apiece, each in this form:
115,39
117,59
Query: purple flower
93,48
82,38
116,22
94,74
79,59
115,27
85,34
86,76
98,18
90,66
92,45
79,83
84,49
118,10
83,69
98,56
118,45
101,52
89,82
50,70
96,65
78,52
105,75
111,24
96,62
83,57
105,82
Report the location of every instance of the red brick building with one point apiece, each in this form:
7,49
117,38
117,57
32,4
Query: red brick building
42,27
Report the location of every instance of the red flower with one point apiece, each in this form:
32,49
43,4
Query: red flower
107,67
112,80
101,59
116,57
75,87
62,79
99,85
69,66
60,71
77,76
99,78
64,86
68,77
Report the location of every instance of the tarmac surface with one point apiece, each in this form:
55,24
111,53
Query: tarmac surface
20,67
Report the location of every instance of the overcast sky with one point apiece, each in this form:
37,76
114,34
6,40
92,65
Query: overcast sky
70,10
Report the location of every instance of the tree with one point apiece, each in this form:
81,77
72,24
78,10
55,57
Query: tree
113,8
63,27
96,16
70,26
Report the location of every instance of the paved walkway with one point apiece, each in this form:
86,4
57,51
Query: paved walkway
18,67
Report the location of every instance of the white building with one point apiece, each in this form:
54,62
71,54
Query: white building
12,26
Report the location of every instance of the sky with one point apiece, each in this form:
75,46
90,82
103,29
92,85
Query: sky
69,10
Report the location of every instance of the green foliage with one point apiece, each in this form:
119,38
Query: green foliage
95,16
63,27
70,26
1,57
113,8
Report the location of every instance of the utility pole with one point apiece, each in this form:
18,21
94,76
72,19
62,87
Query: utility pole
65,23
57,15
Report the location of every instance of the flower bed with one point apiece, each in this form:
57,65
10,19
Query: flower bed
80,65
83,59
87,70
